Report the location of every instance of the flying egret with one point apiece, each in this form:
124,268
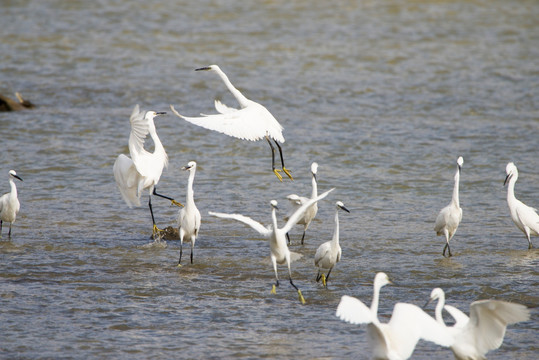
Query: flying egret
329,253
277,239
524,217
449,218
297,201
189,216
143,170
9,203
484,330
396,339
251,122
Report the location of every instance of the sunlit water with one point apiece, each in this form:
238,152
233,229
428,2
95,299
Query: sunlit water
383,95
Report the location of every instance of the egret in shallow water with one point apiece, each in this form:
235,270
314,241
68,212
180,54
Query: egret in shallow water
251,122
484,330
396,339
189,216
9,203
329,253
297,201
280,253
524,217
449,218
143,170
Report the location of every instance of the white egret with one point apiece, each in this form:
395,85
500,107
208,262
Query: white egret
143,170
9,203
449,218
524,217
189,216
396,339
251,122
329,253
484,330
280,253
297,201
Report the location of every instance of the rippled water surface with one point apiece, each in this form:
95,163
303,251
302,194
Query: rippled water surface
383,95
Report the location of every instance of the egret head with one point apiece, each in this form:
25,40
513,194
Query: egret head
314,168
273,204
13,174
460,161
151,114
206,68
340,205
381,279
190,166
511,171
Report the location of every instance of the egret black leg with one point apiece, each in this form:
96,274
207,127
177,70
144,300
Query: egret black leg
287,238
275,171
174,202
181,251
303,237
285,170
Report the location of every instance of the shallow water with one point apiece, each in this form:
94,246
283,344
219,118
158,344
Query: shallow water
384,96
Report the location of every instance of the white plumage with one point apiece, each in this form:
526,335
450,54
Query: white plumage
524,216
329,253
189,216
397,339
251,121
297,201
484,330
449,218
143,170
280,253
9,203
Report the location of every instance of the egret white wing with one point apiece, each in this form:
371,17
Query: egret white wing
139,129
528,216
223,109
490,318
241,124
246,220
353,311
294,218
127,178
461,319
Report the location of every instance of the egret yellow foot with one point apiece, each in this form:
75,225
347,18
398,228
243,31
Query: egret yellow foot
273,289
324,280
174,202
276,172
156,231
301,298
287,172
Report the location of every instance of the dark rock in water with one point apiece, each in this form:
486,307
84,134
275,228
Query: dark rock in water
7,104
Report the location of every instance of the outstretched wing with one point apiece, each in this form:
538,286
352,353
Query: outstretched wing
127,179
294,218
139,130
489,318
223,109
409,324
461,319
353,311
246,220
249,123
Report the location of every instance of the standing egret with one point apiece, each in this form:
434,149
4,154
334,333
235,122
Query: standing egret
9,203
329,253
297,201
189,216
277,239
251,122
396,339
143,170
484,330
524,217
449,218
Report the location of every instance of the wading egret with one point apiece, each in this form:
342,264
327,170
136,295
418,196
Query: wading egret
524,217
484,330
396,339
280,253
329,253
251,122
143,170
189,216
9,203
449,218
297,201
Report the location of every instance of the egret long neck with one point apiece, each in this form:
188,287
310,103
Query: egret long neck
237,94
335,240
159,149
511,189
456,188
274,219
314,193
439,308
374,303
190,192
13,193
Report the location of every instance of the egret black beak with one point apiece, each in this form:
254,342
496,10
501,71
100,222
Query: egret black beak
427,303
345,209
203,68
186,167
160,113
17,177
507,179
